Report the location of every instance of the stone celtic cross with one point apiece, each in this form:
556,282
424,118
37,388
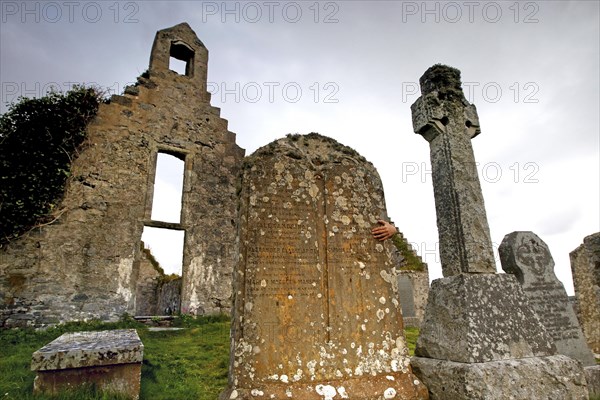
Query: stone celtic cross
448,122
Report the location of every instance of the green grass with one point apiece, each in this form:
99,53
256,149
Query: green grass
411,339
186,364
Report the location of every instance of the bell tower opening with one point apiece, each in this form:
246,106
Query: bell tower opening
181,58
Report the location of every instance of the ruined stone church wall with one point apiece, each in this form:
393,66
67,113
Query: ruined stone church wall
86,263
168,297
413,308
146,293
585,266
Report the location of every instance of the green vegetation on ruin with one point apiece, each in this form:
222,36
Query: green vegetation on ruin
411,261
191,363
150,257
39,139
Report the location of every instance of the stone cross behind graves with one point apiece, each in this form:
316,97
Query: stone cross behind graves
526,256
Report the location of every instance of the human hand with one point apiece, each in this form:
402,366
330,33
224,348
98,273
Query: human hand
384,231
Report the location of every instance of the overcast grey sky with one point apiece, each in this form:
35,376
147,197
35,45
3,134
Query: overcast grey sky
349,70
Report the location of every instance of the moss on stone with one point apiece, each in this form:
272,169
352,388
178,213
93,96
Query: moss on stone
411,261
444,80
150,257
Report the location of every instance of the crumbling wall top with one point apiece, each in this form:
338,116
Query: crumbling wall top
180,42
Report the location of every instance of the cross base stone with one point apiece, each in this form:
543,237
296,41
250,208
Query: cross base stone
482,340
592,375
475,318
551,377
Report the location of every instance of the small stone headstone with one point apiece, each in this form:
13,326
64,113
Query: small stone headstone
526,256
111,360
316,311
405,289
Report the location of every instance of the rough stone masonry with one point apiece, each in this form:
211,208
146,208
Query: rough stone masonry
585,265
85,265
316,312
480,338
89,263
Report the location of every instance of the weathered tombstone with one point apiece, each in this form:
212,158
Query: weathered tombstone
526,256
480,338
316,314
405,289
110,360
413,282
413,289
585,266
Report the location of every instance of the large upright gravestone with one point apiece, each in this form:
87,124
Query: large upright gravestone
480,339
526,256
316,314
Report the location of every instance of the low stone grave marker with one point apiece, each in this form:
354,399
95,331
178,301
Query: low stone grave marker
110,360
405,290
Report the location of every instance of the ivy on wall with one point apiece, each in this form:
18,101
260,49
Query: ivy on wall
39,139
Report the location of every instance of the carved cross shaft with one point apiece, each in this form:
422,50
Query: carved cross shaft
448,122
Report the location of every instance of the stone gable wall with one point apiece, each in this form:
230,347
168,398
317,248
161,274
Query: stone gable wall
86,263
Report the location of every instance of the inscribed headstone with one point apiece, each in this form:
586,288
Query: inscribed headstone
316,313
526,256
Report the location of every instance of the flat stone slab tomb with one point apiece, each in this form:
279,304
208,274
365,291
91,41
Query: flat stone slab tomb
110,360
